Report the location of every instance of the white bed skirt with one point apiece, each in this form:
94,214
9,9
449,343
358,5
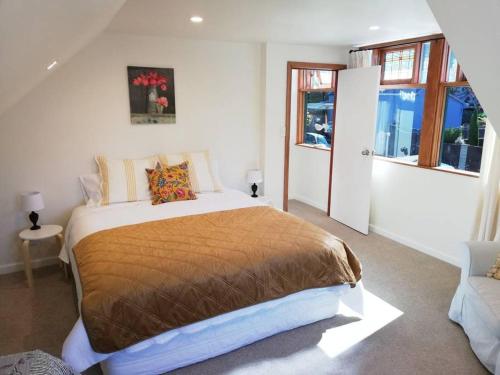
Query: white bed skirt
221,334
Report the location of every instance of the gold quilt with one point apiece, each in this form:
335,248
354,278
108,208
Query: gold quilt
141,280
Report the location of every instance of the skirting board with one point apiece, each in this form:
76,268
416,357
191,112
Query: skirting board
308,201
35,263
415,245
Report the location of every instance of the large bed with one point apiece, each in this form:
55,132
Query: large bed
196,340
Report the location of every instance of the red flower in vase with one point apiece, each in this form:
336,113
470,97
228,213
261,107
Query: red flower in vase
151,79
163,101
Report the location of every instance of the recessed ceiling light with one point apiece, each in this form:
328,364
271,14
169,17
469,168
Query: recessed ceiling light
374,27
52,65
196,19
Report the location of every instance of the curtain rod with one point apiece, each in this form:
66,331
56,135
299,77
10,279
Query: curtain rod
398,43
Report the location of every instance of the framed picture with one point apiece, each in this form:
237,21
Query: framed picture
151,95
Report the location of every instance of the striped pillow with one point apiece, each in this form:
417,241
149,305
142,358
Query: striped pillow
124,180
202,172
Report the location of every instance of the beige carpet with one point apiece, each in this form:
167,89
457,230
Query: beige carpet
421,341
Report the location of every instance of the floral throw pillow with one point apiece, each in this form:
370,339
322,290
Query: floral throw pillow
170,184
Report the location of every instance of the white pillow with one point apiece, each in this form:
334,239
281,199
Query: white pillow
91,189
202,171
124,180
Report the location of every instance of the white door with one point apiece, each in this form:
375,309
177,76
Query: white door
356,115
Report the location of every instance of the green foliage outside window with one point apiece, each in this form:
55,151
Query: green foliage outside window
474,129
451,135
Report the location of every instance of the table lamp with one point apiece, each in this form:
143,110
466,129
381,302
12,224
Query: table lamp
254,177
32,201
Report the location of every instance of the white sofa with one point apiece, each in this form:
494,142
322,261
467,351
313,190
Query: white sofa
476,304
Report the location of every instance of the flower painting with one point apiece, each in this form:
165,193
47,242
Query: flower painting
152,95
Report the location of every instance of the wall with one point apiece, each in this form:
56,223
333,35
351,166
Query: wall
309,168
57,30
473,31
276,57
50,137
230,98
430,211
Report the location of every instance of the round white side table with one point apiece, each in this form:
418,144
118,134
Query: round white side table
28,235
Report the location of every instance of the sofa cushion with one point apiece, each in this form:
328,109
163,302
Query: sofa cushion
484,293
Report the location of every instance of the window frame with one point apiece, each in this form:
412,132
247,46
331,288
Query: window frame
417,47
302,89
435,96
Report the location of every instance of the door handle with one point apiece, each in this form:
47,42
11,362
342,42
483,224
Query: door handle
365,152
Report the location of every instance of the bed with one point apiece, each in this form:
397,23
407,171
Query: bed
200,339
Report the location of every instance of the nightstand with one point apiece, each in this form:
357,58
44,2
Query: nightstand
28,235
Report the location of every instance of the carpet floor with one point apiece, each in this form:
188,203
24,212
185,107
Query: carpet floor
420,341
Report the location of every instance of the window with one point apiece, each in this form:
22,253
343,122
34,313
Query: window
463,130
424,62
452,69
315,109
401,102
463,120
317,79
398,65
399,122
427,113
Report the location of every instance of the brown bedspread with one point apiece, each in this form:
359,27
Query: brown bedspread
141,280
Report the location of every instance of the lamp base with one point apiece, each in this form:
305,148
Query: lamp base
254,191
34,218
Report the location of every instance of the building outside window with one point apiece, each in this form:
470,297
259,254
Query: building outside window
399,123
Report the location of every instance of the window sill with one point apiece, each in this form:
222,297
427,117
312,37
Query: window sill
439,169
313,147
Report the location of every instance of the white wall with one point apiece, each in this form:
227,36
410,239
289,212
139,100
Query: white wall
276,58
57,30
431,211
50,137
309,168
473,30
230,98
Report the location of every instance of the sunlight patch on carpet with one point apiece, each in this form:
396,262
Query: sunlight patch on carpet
377,314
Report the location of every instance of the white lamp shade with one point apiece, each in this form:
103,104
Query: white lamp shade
254,176
32,201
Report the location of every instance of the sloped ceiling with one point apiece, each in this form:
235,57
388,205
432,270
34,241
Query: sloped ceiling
33,33
472,29
326,22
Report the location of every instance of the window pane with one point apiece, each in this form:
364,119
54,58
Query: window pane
318,79
424,61
318,118
399,64
463,130
451,75
399,122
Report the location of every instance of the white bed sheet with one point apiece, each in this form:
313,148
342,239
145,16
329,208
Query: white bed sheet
161,353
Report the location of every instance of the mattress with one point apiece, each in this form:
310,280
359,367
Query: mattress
192,343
